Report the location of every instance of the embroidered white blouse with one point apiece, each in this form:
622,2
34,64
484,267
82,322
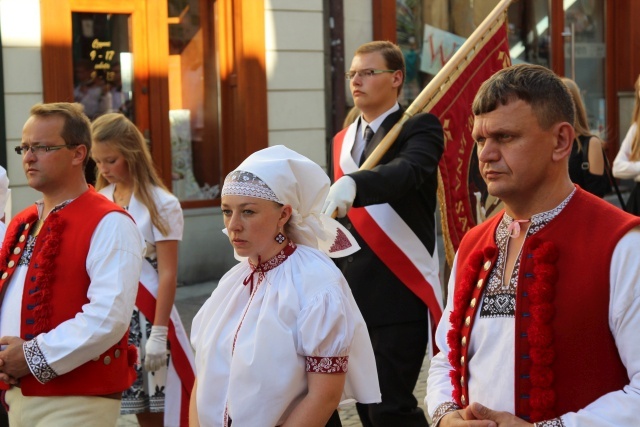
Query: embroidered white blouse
253,352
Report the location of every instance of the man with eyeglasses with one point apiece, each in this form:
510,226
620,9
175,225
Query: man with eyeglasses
391,212
69,271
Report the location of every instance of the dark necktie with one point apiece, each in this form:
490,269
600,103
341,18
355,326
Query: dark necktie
368,135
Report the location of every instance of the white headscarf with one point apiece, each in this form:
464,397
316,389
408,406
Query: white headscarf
296,181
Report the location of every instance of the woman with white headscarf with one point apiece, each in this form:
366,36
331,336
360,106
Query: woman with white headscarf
280,342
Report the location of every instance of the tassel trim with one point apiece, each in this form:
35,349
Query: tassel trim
540,331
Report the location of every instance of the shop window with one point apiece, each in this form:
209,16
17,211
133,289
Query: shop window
193,142
102,66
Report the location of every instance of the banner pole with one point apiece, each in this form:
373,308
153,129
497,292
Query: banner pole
436,84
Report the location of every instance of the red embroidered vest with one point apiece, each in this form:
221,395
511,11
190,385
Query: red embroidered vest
565,354
56,288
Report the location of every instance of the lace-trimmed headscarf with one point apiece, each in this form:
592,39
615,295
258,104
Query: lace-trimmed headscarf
281,175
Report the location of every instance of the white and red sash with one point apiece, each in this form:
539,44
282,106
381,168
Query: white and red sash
389,237
181,370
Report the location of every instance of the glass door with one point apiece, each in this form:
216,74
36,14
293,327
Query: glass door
102,63
584,53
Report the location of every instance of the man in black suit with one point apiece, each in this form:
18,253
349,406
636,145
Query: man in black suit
394,277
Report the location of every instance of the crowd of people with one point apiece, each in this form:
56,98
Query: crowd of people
337,282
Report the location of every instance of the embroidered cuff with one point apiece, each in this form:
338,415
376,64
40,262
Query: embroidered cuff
37,363
327,365
442,410
556,422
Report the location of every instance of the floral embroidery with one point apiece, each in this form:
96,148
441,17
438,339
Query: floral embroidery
272,263
242,183
556,422
341,242
37,362
327,365
442,410
499,299
27,251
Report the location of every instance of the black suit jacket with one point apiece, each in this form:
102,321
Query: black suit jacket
406,178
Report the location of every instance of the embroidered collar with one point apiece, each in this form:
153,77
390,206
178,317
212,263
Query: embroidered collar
40,206
538,221
270,264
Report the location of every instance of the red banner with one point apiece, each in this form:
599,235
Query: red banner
463,198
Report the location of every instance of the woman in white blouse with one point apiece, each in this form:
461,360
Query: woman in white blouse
280,342
126,175
627,162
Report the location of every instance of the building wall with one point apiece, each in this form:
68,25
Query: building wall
358,29
20,21
295,76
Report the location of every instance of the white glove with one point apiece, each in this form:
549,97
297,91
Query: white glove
340,197
156,349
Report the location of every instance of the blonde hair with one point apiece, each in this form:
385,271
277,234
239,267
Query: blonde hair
581,123
635,144
120,133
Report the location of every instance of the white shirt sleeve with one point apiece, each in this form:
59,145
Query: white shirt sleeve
170,211
326,325
439,387
623,167
113,263
620,408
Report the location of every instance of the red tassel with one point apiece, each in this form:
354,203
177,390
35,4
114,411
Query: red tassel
132,355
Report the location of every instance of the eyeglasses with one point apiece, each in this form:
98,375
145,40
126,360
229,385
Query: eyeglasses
35,149
350,75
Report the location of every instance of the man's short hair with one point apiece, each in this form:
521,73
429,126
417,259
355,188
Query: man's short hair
390,52
77,127
538,86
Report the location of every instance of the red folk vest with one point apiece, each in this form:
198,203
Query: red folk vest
56,289
565,354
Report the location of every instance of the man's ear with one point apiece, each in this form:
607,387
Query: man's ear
80,154
565,135
397,78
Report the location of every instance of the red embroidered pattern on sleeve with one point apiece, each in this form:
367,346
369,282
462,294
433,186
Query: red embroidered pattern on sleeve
327,365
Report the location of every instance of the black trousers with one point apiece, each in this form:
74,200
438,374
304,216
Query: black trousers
399,350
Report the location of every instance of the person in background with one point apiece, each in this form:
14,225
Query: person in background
126,175
5,196
592,176
395,274
70,266
91,90
543,311
627,162
281,341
